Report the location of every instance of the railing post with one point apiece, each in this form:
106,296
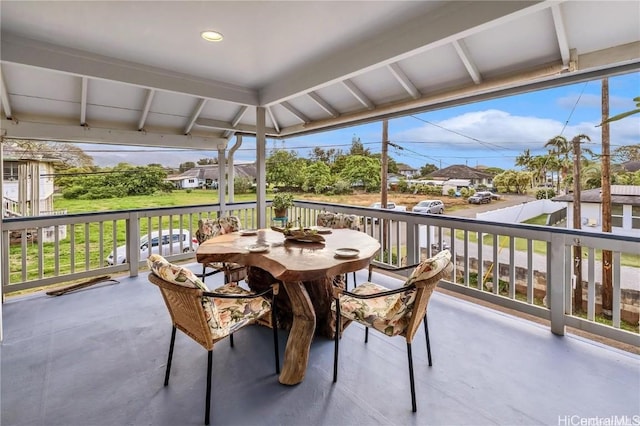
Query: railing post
133,243
413,251
555,283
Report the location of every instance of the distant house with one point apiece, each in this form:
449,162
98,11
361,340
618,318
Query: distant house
27,182
406,170
625,209
631,166
207,176
27,188
460,171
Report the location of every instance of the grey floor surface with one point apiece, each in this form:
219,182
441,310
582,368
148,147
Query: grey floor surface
97,357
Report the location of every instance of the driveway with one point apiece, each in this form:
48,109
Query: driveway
507,200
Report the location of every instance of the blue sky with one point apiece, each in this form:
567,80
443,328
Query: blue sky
490,133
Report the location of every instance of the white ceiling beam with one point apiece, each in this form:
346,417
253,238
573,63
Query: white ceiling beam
146,108
224,125
295,112
83,101
14,129
323,104
404,81
20,50
537,79
4,96
465,57
229,133
273,119
452,21
358,94
194,115
626,53
561,33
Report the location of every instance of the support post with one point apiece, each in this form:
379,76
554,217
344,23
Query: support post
261,168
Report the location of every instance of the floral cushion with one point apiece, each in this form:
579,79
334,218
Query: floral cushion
174,273
236,313
338,220
209,228
390,314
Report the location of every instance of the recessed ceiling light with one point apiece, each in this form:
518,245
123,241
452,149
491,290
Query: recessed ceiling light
211,35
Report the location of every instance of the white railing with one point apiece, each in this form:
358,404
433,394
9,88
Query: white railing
532,265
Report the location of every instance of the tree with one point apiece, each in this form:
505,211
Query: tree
120,181
317,177
512,179
207,161
624,114
626,153
70,155
427,169
285,169
361,170
357,148
183,167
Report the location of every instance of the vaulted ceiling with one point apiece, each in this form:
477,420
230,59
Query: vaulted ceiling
139,73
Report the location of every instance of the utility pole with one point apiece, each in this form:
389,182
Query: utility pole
577,223
607,257
383,178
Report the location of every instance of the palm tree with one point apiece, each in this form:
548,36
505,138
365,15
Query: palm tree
562,149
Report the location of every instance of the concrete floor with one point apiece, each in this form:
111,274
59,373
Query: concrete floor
97,357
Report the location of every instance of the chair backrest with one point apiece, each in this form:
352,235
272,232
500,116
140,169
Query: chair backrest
338,220
182,292
425,277
209,228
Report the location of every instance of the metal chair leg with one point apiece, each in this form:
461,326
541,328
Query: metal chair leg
366,334
204,272
411,380
355,284
426,332
231,339
274,325
173,339
336,339
208,402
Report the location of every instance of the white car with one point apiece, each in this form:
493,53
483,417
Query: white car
429,206
179,241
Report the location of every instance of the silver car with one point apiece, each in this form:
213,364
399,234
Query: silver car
429,206
164,243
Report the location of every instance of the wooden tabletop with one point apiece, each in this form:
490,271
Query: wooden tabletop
289,260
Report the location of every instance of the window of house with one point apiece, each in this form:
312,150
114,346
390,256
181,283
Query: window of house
192,180
616,215
10,171
635,217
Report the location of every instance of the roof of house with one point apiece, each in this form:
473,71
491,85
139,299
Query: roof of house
620,194
460,171
405,168
631,166
210,172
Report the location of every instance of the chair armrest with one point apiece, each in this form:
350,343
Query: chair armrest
377,265
380,294
273,289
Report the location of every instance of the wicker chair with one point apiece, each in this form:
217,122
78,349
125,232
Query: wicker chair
208,317
209,228
400,312
340,221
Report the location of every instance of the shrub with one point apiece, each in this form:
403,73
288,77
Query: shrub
451,192
543,194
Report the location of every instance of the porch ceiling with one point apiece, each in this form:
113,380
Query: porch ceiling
137,72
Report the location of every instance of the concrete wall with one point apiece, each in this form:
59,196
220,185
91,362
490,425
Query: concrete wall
522,212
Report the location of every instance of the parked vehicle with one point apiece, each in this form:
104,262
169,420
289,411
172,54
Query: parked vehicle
429,206
480,197
172,243
390,206
494,196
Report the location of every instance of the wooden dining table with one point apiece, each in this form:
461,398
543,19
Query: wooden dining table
294,263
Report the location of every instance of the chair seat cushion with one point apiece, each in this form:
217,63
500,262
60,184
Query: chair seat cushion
175,274
234,314
379,313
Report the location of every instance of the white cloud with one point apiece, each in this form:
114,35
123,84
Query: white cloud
494,127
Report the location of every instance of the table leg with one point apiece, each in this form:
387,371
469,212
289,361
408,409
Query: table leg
296,355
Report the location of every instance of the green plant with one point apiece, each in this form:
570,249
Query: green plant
282,201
